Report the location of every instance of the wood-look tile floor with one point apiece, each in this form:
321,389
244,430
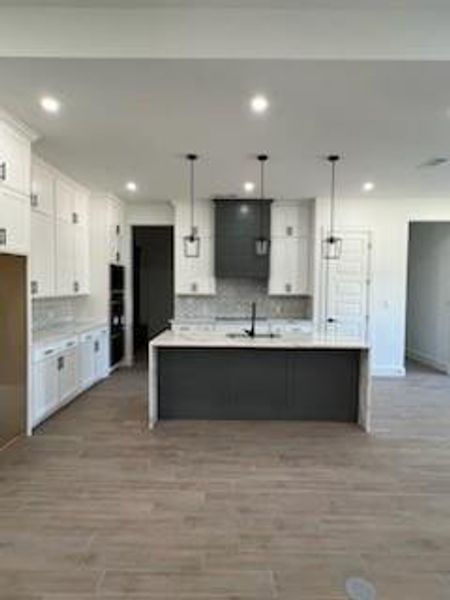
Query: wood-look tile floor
96,506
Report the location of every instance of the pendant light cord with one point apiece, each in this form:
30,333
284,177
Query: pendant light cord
192,158
192,198
262,160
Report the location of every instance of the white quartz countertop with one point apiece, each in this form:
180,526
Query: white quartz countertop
55,334
216,339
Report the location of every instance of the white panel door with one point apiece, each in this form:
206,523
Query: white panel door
15,160
42,190
65,275
44,388
42,255
346,290
14,222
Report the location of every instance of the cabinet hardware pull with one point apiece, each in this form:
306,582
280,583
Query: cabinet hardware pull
49,351
3,171
34,287
34,200
74,218
117,256
288,287
117,229
194,287
289,230
3,237
76,286
331,320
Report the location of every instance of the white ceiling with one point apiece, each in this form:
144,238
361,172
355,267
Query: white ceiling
135,119
254,4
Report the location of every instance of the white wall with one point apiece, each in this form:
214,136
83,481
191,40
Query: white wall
139,213
428,311
388,220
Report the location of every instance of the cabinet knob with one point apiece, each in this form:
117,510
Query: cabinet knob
331,320
3,171
3,237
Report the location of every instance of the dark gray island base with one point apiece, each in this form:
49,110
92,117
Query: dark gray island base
211,377
256,383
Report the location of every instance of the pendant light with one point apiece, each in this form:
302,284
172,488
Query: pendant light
332,244
192,241
262,242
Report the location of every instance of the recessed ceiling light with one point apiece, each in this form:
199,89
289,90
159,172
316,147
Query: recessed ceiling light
259,104
50,105
369,186
249,187
131,186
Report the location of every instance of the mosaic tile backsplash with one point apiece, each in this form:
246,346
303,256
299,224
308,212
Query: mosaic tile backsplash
52,312
233,300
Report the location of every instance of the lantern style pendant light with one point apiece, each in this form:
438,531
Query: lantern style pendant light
262,242
192,241
332,244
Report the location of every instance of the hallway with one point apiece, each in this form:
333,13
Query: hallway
96,506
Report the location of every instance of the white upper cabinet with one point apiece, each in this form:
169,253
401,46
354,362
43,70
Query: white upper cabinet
65,193
291,247
116,227
81,208
42,255
81,260
42,189
65,259
14,222
194,276
15,159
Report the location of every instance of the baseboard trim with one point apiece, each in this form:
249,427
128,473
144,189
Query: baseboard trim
387,371
426,360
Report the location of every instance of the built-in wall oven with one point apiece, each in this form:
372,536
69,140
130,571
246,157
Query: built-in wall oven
117,313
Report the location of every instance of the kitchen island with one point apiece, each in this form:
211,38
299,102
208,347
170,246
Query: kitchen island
211,375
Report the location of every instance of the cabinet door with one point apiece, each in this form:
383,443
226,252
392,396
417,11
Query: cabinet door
68,374
87,361
65,274
289,266
81,208
115,232
81,259
64,200
44,388
42,190
195,276
291,219
101,351
42,255
14,222
15,160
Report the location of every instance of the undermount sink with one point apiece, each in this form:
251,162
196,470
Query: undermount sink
243,335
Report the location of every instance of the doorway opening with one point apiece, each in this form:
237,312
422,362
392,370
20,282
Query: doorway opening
153,286
428,297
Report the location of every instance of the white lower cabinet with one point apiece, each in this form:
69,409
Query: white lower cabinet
44,385
68,371
65,369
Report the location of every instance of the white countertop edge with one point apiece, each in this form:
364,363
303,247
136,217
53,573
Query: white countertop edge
169,339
